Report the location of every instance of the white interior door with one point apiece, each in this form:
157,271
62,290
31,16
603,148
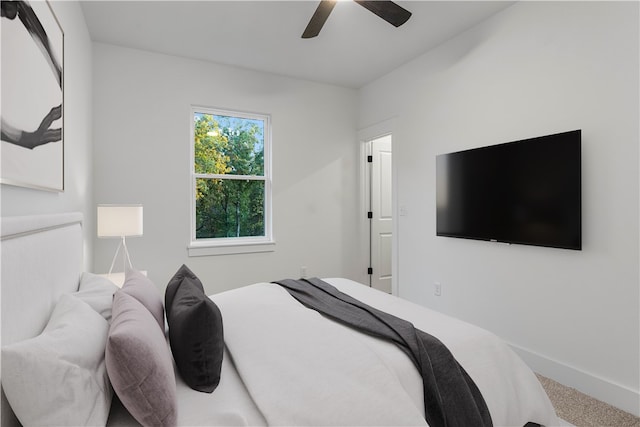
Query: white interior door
381,214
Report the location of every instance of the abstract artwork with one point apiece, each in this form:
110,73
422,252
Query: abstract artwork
31,114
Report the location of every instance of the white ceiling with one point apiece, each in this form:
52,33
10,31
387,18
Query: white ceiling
354,47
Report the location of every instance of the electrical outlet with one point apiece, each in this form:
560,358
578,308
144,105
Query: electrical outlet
437,289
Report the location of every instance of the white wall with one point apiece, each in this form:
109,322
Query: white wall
77,133
537,68
141,128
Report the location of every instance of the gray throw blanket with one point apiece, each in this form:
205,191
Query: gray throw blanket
451,398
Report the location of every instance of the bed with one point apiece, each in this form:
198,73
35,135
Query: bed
282,363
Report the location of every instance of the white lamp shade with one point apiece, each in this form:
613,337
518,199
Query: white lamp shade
119,220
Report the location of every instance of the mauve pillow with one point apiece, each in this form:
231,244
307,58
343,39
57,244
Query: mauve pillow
195,331
139,363
141,288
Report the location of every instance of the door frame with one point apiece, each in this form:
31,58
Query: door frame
366,135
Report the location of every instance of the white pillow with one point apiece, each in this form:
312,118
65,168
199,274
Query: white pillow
97,291
59,377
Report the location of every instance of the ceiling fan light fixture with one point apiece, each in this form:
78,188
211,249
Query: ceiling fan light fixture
389,11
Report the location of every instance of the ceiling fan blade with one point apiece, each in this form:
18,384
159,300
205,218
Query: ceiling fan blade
389,11
318,19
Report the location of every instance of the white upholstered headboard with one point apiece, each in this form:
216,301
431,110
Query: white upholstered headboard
41,260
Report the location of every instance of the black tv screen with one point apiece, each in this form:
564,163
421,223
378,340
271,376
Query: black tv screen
526,192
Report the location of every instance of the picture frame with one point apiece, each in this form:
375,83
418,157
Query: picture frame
32,110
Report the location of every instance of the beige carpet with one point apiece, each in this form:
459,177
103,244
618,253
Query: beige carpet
584,411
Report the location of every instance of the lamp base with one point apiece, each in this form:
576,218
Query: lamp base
125,256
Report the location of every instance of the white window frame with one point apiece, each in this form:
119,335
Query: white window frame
231,245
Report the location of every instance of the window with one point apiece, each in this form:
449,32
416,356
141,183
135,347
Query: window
230,182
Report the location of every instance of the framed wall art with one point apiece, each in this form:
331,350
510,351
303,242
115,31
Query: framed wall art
32,137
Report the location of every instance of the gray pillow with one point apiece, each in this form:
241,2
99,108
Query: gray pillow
139,363
141,288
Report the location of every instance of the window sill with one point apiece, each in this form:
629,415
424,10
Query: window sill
211,249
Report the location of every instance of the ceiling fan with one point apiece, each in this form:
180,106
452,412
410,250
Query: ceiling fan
387,10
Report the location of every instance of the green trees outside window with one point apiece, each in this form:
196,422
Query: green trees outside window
229,173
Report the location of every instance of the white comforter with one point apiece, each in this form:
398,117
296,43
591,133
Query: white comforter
302,369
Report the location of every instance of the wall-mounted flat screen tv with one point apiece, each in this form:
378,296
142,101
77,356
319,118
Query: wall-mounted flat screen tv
526,192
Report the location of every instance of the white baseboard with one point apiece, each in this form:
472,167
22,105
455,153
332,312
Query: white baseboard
614,394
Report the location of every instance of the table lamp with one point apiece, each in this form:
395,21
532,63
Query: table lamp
120,221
